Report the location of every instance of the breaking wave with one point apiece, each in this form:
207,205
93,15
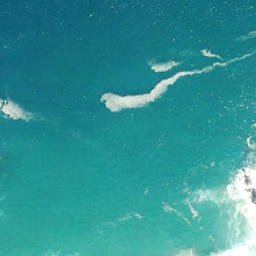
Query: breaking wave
239,197
242,194
116,102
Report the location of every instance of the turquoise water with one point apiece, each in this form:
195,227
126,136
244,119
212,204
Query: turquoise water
79,179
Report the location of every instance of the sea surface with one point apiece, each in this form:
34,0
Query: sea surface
128,128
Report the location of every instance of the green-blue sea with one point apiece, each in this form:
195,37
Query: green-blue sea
127,128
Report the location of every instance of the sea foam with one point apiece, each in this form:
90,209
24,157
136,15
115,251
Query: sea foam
242,192
164,66
117,103
187,252
240,198
194,212
12,110
209,54
250,144
250,35
167,208
129,216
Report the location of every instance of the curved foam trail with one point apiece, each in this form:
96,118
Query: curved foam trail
12,110
250,35
116,102
163,67
207,53
250,144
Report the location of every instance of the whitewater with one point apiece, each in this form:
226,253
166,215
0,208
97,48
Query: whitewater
117,103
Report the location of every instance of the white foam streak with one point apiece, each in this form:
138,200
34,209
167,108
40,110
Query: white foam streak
194,212
129,216
12,110
187,252
116,103
208,54
138,216
243,249
163,67
167,208
146,191
250,35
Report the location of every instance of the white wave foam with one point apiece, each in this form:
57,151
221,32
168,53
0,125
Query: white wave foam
215,196
163,67
138,216
194,212
12,110
207,53
167,208
211,238
244,249
250,35
239,201
240,196
250,144
116,103
187,252
129,216
242,191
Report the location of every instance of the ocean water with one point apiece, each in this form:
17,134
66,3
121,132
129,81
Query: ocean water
128,128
